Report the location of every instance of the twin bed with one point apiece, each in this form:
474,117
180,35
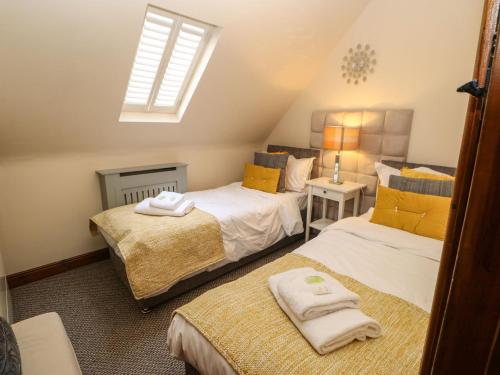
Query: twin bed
388,260
253,224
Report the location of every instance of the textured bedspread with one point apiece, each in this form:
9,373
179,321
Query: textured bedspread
159,251
246,326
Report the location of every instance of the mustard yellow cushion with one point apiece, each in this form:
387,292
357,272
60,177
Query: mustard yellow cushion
425,215
261,178
407,172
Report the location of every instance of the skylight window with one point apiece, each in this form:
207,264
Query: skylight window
172,54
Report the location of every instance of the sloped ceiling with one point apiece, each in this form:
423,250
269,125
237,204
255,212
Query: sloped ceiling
64,67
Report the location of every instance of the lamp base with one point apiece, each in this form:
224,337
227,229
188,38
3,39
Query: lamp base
332,181
336,171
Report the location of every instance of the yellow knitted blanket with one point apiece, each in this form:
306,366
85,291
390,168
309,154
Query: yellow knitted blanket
158,251
242,320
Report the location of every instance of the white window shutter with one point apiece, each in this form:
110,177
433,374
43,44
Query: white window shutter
184,54
150,52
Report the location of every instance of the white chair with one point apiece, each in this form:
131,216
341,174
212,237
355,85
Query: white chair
45,347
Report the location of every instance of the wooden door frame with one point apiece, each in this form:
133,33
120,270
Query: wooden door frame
463,331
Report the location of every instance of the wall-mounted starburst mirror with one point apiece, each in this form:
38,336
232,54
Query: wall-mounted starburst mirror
358,63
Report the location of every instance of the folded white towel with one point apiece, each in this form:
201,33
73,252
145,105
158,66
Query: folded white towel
310,294
167,200
145,208
332,331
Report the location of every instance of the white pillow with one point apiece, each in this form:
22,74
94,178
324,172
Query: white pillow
298,171
384,172
430,171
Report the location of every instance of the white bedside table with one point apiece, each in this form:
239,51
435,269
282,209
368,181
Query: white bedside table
321,187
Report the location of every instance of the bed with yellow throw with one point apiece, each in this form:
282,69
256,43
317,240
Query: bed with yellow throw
160,257
238,328
158,251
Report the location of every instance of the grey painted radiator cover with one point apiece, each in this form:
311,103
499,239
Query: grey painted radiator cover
123,186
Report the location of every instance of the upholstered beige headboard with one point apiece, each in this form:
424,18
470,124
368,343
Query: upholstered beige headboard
384,135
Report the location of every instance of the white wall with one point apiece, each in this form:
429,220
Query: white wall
425,50
5,307
50,198
68,65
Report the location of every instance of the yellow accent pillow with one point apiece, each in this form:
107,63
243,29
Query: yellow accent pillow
261,178
422,214
407,172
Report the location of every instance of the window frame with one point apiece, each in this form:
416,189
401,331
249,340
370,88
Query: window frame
133,112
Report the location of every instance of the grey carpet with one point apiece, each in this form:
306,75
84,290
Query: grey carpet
109,333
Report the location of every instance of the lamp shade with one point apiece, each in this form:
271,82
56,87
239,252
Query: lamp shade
340,138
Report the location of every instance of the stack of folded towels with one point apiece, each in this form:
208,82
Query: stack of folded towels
324,311
167,203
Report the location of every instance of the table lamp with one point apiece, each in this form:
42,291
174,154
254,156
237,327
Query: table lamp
339,138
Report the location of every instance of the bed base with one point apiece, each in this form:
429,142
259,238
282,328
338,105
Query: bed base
193,282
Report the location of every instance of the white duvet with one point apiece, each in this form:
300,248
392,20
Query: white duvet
383,258
250,220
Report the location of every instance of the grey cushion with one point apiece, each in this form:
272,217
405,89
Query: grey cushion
300,153
421,185
267,160
400,164
10,359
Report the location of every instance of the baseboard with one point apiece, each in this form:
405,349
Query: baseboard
38,273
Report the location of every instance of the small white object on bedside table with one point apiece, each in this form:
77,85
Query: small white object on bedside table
322,187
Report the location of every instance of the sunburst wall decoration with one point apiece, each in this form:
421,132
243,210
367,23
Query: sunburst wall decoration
358,64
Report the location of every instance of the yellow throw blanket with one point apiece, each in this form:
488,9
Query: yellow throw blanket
158,251
244,323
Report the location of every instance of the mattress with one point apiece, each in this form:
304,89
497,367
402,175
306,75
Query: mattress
250,220
383,258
